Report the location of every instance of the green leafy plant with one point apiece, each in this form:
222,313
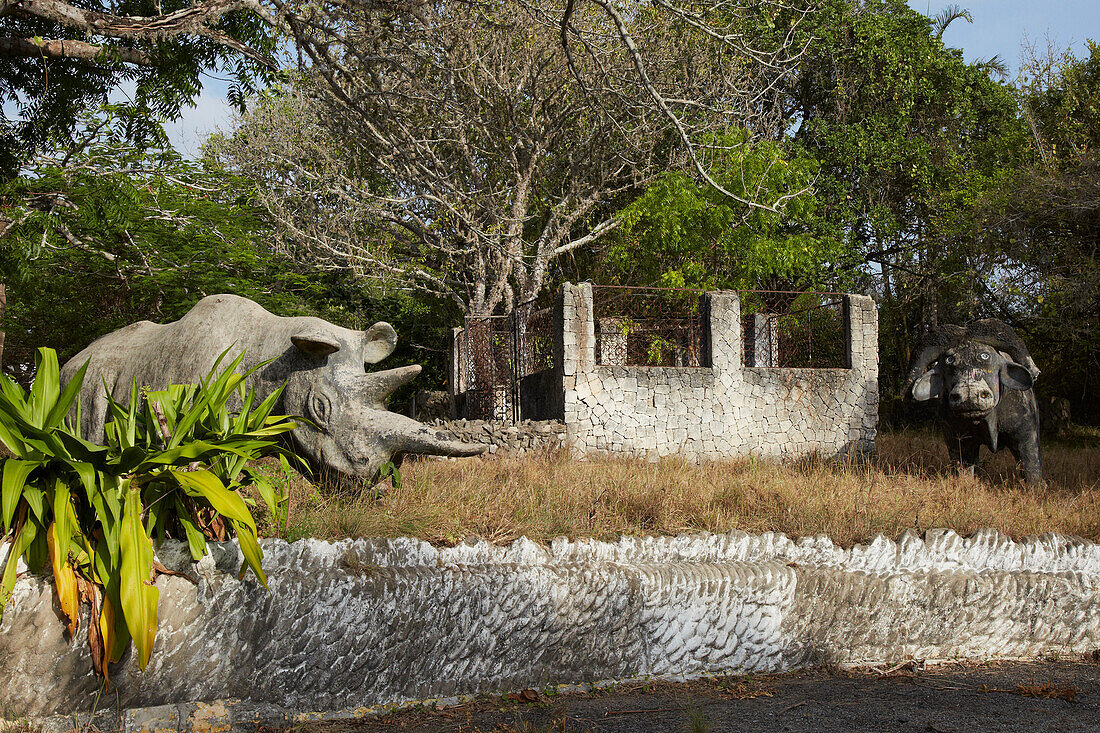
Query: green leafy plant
659,348
390,471
173,466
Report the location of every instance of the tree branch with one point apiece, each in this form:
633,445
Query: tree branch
198,19
65,49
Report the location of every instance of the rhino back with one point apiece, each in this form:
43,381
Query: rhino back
156,355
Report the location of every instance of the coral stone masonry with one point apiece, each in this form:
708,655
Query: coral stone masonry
720,410
353,624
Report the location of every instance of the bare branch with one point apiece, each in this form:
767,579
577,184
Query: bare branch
62,49
197,19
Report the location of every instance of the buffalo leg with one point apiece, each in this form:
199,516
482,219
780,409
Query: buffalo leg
1029,456
963,452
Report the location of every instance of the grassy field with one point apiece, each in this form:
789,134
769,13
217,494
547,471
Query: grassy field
908,485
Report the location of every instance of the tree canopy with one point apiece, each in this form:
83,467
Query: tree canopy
437,158
462,149
65,59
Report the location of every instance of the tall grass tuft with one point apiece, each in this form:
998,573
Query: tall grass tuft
908,485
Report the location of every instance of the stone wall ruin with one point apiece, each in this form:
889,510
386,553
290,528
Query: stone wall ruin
710,404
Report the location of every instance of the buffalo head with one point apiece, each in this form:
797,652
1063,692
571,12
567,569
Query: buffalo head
982,375
971,376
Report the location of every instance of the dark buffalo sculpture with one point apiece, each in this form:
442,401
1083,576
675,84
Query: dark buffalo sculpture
982,375
350,434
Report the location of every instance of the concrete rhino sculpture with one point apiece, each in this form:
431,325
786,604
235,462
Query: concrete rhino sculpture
322,365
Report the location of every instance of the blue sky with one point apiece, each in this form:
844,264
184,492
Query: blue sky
999,27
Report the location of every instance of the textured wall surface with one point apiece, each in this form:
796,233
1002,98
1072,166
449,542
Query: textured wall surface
513,438
723,410
358,623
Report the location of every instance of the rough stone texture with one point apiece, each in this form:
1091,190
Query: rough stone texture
723,410
529,436
366,622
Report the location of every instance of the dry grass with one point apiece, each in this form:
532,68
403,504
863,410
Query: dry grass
909,485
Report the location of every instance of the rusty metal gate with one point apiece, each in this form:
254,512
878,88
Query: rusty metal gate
496,353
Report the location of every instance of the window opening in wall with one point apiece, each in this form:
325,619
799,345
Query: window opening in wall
793,329
658,327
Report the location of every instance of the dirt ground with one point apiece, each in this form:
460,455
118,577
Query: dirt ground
962,698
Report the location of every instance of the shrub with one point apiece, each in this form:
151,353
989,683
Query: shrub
173,466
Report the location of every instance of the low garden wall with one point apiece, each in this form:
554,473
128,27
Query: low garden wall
353,624
528,436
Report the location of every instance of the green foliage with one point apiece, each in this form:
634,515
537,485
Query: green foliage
390,471
1066,108
1043,217
49,95
111,232
909,136
683,234
174,464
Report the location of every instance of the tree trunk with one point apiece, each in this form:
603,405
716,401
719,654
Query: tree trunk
3,307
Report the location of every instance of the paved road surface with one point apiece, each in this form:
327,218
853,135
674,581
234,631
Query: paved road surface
972,698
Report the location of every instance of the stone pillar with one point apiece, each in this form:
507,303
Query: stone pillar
861,335
723,330
575,342
456,380
578,332
765,340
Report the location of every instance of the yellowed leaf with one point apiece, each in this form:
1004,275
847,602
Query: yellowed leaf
64,580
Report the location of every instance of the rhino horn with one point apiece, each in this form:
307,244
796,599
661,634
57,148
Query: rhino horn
377,386
402,434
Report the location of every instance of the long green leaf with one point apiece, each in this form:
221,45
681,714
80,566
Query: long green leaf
189,419
14,479
183,455
23,538
68,397
139,600
112,622
250,548
36,500
259,416
38,551
206,485
44,441
10,437
196,540
64,515
14,398
46,387
80,449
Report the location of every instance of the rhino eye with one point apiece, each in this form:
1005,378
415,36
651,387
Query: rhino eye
984,356
320,409
949,360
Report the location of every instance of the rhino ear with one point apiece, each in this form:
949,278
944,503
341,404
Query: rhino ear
928,386
379,341
315,343
1016,376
